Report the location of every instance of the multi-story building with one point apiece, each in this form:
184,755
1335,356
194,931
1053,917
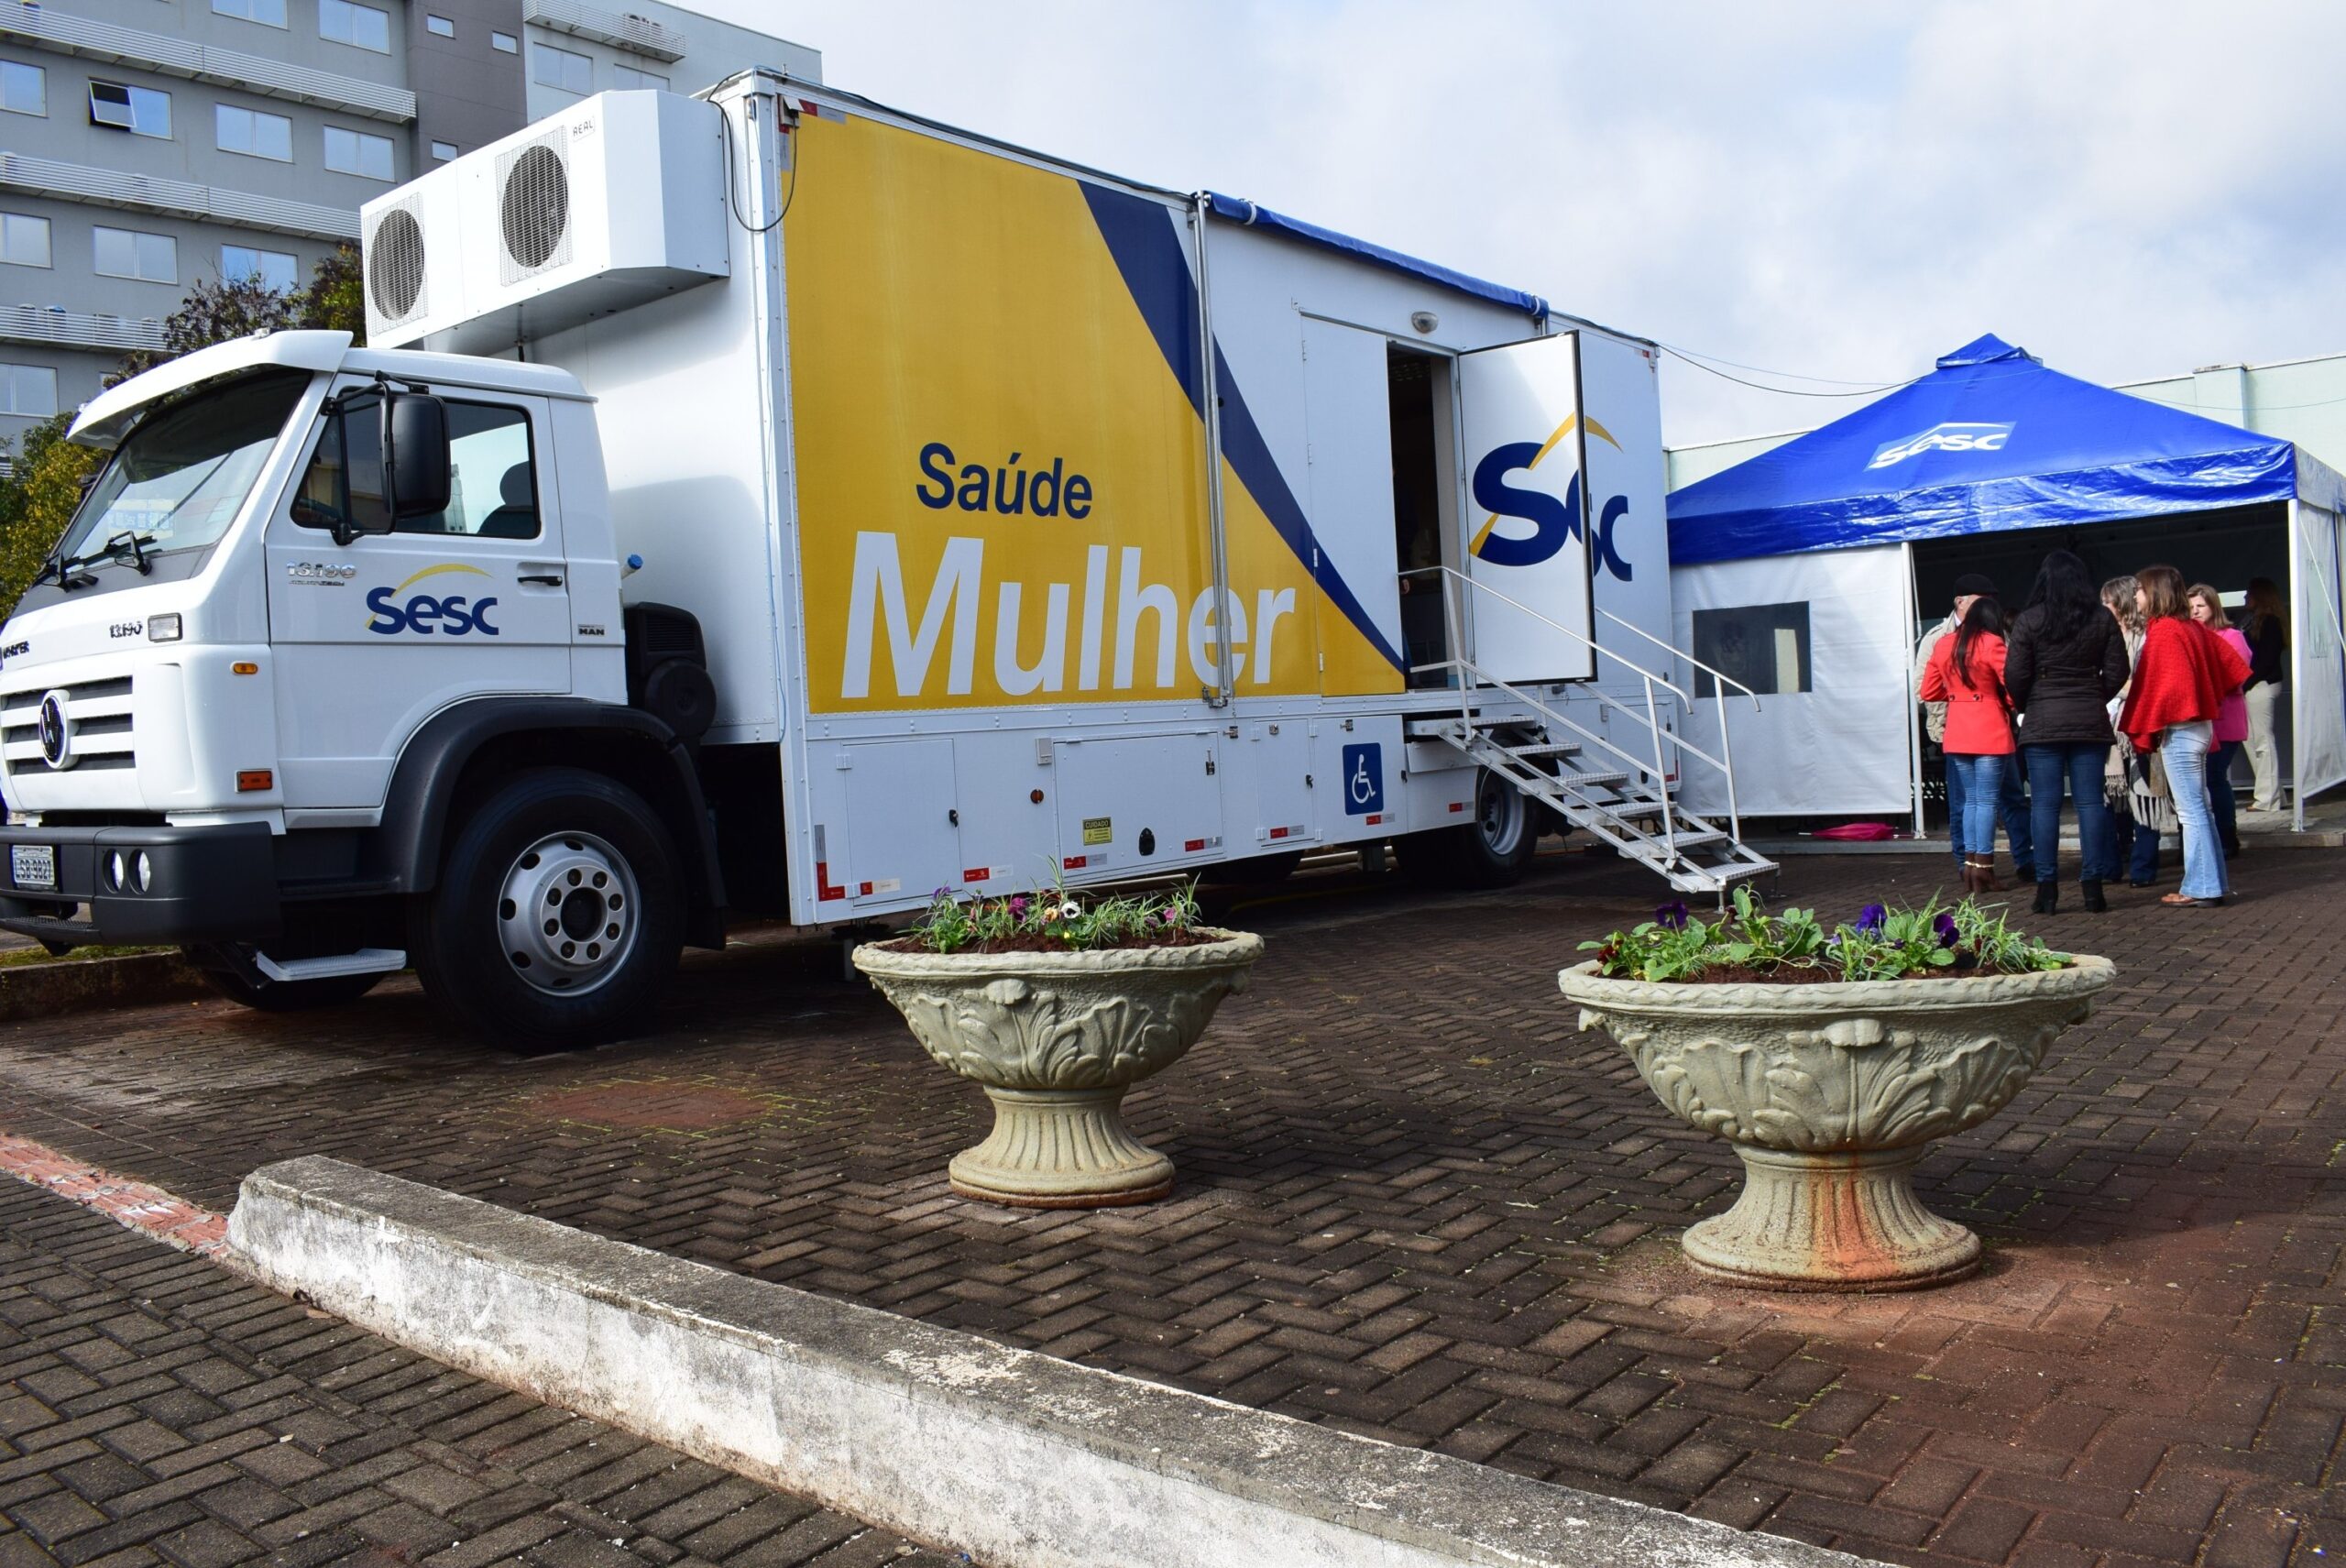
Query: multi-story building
148,144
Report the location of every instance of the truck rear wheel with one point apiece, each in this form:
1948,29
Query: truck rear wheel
558,915
224,975
1490,850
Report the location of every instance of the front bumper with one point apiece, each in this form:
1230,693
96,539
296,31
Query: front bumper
214,883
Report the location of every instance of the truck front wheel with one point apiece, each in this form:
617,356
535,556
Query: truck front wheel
558,915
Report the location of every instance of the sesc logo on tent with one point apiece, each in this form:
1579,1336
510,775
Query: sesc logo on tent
1942,438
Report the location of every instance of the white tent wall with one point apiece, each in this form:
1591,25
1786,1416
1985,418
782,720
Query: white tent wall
1842,745
2317,654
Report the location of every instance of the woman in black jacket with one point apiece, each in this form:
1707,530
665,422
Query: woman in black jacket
2067,660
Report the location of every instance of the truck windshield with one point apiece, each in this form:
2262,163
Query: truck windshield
181,477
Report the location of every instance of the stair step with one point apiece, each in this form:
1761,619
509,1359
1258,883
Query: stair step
1592,781
1546,749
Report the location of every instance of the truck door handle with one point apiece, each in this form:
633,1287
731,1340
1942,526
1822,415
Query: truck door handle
544,579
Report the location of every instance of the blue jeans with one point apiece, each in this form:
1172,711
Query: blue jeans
2219,794
2011,805
1983,783
2185,754
2080,767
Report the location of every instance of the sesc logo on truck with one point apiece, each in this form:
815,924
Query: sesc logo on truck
1554,522
431,615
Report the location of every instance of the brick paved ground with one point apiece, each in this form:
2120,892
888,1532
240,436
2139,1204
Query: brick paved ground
153,1410
1416,1203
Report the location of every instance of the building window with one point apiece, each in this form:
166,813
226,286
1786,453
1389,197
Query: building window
24,89
551,67
361,26
441,151
29,390
275,270
356,152
1765,646
140,110
252,133
133,252
626,76
269,13
24,240
505,43
439,26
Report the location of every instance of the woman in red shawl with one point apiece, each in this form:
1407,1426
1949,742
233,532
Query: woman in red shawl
2179,683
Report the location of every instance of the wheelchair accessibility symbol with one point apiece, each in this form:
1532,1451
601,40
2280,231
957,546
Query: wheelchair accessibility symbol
1364,779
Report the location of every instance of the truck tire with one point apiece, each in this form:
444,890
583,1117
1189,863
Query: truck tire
1490,850
226,977
558,915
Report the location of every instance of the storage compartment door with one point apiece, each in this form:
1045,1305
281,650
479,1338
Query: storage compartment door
1277,758
903,840
1527,517
1133,805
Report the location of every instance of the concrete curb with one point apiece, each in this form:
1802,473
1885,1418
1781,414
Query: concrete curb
72,985
1020,1459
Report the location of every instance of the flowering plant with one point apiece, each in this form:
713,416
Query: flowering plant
1053,916
1882,943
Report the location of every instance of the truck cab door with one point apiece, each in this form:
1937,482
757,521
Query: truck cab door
370,639
1525,440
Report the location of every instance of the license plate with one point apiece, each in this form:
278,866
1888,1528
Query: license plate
33,865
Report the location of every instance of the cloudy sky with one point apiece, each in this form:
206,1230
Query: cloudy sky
1839,190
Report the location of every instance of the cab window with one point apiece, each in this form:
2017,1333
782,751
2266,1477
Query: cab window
492,480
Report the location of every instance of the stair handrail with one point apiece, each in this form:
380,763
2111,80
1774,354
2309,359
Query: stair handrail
1588,642
1723,762
1734,817
1675,651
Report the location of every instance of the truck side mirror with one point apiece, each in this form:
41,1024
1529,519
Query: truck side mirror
415,454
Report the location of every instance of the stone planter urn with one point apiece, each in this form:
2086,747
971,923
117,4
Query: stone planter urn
1829,1093
1055,1039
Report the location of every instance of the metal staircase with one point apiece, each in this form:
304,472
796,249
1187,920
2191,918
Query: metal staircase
1593,781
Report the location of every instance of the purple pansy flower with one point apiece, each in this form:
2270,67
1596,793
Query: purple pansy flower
1872,917
1671,916
1943,929
1018,906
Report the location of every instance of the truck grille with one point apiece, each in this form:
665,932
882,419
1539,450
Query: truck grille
87,727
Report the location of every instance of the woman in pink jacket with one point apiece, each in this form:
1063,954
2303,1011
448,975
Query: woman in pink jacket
1966,672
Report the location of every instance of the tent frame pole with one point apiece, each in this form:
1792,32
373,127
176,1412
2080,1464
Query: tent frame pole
1913,713
2297,667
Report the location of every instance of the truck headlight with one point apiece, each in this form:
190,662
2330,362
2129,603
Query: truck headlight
117,869
142,873
163,628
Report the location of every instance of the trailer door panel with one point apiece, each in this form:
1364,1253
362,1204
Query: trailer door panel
1278,763
903,837
1527,517
1133,803
1349,439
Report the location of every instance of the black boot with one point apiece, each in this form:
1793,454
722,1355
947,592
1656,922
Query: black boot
2095,903
2048,898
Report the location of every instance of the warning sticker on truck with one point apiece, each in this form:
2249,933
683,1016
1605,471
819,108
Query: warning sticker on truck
1098,830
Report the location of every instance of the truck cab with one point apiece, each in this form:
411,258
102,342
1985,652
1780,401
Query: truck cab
332,630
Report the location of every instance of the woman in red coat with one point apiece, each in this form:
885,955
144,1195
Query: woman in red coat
2179,683
1966,672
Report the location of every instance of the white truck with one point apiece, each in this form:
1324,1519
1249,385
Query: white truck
768,504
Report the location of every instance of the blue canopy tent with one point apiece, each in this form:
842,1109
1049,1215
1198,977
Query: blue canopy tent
1794,571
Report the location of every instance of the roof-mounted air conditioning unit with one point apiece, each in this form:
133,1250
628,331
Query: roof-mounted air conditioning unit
616,201
411,262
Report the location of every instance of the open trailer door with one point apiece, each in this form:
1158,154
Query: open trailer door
1527,518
